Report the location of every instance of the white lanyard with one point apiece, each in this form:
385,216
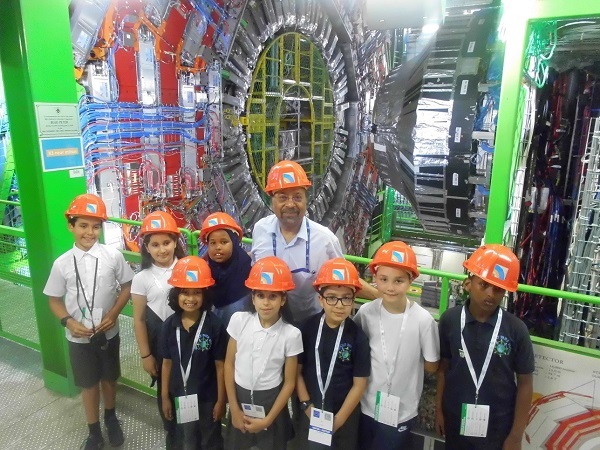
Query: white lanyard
266,360
488,357
390,368
186,374
322,388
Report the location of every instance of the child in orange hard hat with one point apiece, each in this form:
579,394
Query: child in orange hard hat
261,362
404,343
485,379
229,264
193,344
82,289
333,369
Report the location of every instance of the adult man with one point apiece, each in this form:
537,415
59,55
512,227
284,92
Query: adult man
302,243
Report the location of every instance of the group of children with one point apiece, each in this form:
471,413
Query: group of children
218,333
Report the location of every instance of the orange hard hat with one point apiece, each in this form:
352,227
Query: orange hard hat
338,272
396,254
191,272
286,174
496,264
270,274
219,221
87,205
159,222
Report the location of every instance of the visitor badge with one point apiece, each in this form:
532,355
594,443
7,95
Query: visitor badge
321,426
255,411
387,408
474,420
186,408
91,320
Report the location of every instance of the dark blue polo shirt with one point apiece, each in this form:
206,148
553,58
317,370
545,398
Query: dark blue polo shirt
512,355
353,360
210,347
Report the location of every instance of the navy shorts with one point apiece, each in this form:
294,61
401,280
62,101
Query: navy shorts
377,436
91,364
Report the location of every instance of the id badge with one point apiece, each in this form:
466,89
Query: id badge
186,408
87,318
387,408
474,420
254,411
321,426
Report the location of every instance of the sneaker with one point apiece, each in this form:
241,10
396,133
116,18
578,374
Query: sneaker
115,432
93,442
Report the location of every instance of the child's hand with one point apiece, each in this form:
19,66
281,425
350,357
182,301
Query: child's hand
218,411
78,330
337,423
108,321
308,412
512,442
253,425
440,426
149,365
167,408
237,419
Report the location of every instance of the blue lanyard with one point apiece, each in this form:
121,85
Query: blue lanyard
302,269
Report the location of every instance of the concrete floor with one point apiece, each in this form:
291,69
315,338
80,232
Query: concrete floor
34,418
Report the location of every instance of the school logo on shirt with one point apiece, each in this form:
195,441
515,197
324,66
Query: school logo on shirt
289,177
91,208
345,352
191,275
266,278
338,274
500,272
155,224
204,343
397,256
213,222
503,346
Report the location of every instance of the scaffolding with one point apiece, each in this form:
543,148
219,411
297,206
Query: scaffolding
580,323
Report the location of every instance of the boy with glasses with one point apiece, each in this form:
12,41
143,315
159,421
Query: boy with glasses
333,370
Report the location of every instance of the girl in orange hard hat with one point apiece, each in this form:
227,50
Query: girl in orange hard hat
193,344
161,249
261,362
229,264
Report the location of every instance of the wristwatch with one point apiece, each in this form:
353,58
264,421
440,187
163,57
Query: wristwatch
64,320
305,405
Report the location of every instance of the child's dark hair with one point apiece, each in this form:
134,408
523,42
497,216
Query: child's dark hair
285,312
147,258
173,300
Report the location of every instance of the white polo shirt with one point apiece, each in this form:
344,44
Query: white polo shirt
113,271
261,353
323,246
152,284
419,342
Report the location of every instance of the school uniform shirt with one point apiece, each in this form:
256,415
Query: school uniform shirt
352,359
113,271
513,354
262,350
211,346
419,343
152,284
267,240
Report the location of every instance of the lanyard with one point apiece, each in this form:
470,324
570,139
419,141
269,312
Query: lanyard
322,388
302,269
390,368
488,356
186,375
264,366
78,283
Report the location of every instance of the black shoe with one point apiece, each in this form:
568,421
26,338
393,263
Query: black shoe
115,433
93,442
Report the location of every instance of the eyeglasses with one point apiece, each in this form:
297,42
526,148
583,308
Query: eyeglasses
282,198
332,300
